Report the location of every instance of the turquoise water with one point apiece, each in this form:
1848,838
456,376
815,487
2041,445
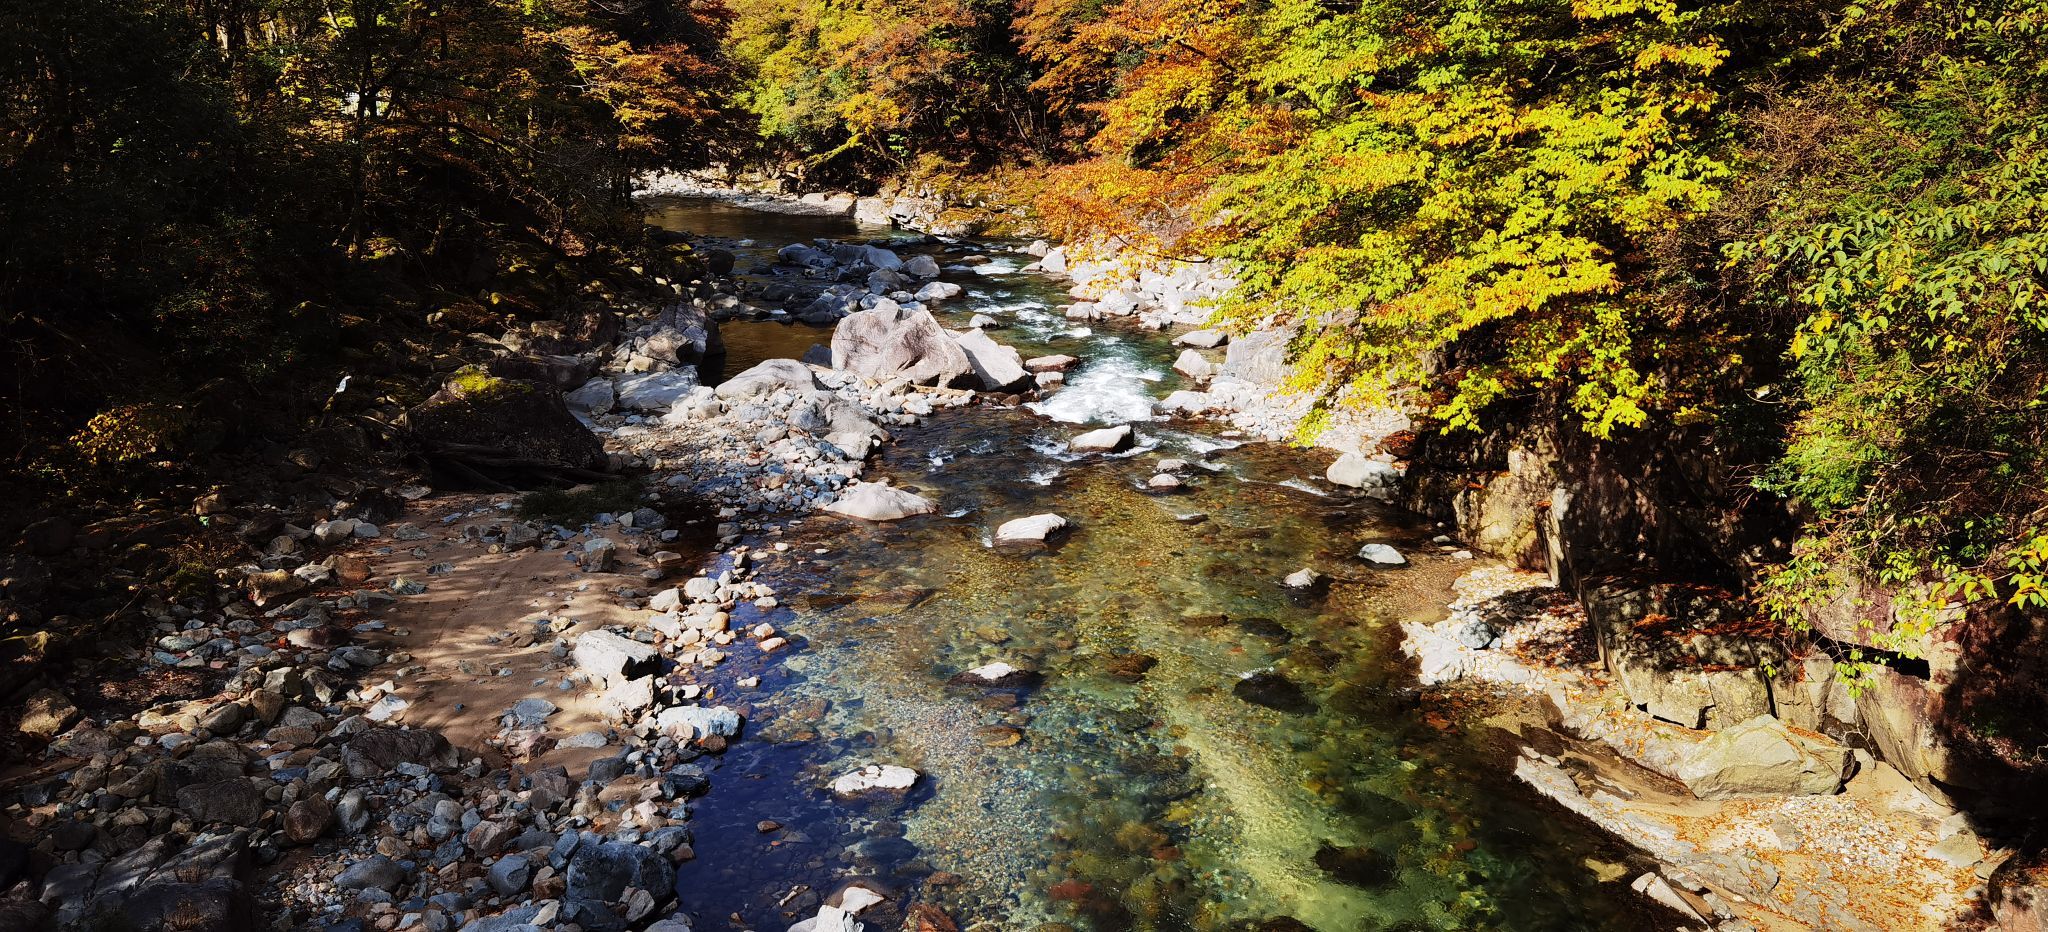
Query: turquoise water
1201,748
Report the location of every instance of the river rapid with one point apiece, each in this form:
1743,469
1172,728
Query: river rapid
1201,749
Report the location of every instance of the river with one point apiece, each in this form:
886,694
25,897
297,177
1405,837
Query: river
1203,749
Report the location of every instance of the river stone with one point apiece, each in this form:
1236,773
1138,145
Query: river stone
874,501
1035,529
596,396
1194,365
884,344
886,777
655,392
1381,555
934,292
1764,757
1106,440
692,721
46,714
921,266
1274,691
1202,339
1304,578
613,659
603,871
1059,363
376,872
307,820
376,750
510,875
767,378
996,675
1357,472
997,367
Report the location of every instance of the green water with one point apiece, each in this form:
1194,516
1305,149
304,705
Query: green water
1133,786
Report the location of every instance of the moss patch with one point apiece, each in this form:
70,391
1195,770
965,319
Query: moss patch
572,507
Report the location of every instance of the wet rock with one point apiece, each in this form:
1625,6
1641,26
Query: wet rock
1107,440
46,714
1764,757
1057,363
1164,482
1036,529
1304,578
1274,691
875,778
1381,555
614,659
995,676
687,722
1359,867
873,501
1131,667
935,292
921,266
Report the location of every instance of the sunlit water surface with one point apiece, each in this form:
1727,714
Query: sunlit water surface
1135,784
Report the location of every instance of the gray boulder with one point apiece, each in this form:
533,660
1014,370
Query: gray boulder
1357,472
884,343
602,872
596,396
873,501
997,367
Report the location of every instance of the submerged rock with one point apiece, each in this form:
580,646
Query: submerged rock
996,675
1274,691
873,777
1359,867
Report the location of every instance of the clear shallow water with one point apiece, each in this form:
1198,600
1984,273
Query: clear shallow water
1135,785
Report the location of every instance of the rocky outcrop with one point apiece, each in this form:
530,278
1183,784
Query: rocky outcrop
1764,757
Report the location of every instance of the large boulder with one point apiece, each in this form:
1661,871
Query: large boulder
523,419
886,343
873,501
997,367
1764,757
767,378
1376,478
655,391
217,905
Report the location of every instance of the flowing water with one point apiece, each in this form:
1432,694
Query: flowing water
1200,749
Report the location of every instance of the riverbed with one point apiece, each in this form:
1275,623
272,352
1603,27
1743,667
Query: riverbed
1200,748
